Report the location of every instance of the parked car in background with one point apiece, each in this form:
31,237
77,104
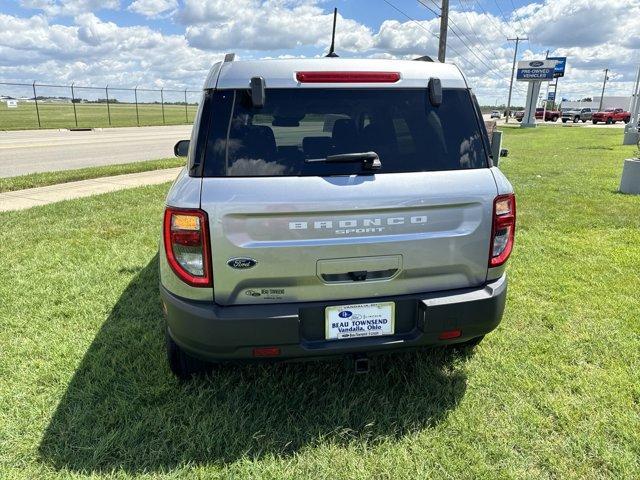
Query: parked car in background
611,115
549,115
576,114
495,114
328,210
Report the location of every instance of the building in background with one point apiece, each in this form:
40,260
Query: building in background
608,102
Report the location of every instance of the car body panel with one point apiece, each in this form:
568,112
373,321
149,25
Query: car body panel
438,222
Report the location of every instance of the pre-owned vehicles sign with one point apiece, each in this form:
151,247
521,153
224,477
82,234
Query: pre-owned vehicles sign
536,70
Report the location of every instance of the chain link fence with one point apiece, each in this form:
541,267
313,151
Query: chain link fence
35,105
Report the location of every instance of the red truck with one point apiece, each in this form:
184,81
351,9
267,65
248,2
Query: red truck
611,115
549,115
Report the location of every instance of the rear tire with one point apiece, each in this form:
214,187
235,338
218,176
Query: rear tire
575,119
583,120
564,120
626,119
595,122
183,365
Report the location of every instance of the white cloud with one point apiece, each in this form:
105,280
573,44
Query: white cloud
153,8
271,25
593,35
70,7
96,52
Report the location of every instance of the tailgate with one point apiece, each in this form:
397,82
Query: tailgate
290,239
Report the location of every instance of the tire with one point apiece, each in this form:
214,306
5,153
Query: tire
183,365
554,119
519,119
595,122
564,120
576,119
609,121
626,119
584,120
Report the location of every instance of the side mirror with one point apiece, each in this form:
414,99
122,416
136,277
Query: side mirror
435,91
181,149
504,152
257,91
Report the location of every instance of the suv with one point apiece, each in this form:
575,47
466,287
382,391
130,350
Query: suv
333,207
611,115
576,114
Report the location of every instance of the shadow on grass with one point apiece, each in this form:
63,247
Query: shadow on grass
124,411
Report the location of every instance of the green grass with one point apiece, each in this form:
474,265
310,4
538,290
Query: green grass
33,180
554,392
60,115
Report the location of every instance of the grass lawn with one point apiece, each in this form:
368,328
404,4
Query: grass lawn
554,392
33,180
60,115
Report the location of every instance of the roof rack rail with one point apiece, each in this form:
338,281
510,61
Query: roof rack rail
229,57
424,58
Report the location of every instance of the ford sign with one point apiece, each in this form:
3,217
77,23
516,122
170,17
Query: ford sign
536,63
241,263
345,314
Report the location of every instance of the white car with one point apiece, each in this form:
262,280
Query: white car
495,114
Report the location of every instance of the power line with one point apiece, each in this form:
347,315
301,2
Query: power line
524,32
453,23
453,28
429,8
462,57
414,21
475,34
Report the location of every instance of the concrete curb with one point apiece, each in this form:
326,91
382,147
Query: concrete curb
33,197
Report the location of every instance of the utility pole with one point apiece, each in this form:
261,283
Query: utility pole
604,84
513,71
444,23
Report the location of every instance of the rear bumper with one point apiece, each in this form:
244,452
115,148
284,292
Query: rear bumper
217,333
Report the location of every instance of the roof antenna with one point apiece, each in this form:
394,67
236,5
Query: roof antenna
332,52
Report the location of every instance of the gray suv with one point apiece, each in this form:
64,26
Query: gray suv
333,207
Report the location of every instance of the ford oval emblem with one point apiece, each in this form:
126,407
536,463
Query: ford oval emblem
241,263
345,314
537,63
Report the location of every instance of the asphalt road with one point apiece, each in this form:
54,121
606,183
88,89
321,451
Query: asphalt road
30,151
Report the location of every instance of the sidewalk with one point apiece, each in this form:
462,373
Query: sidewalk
32,197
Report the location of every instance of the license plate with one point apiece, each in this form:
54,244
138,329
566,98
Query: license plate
358,321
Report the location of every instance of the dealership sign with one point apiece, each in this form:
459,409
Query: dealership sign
536,70
558,71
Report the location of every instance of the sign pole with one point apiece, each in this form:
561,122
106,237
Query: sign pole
631,130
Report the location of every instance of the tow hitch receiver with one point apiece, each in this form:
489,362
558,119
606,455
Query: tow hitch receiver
361,364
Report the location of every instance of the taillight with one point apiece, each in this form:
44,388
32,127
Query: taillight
347,77
186,243
503,231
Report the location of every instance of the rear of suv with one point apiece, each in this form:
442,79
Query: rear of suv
333,207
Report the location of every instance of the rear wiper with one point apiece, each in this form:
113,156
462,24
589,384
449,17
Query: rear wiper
370,160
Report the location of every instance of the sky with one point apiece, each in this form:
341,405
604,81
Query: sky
173,43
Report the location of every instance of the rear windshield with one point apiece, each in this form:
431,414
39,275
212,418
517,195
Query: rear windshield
296,125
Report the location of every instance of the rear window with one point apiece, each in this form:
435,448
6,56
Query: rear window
297,125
